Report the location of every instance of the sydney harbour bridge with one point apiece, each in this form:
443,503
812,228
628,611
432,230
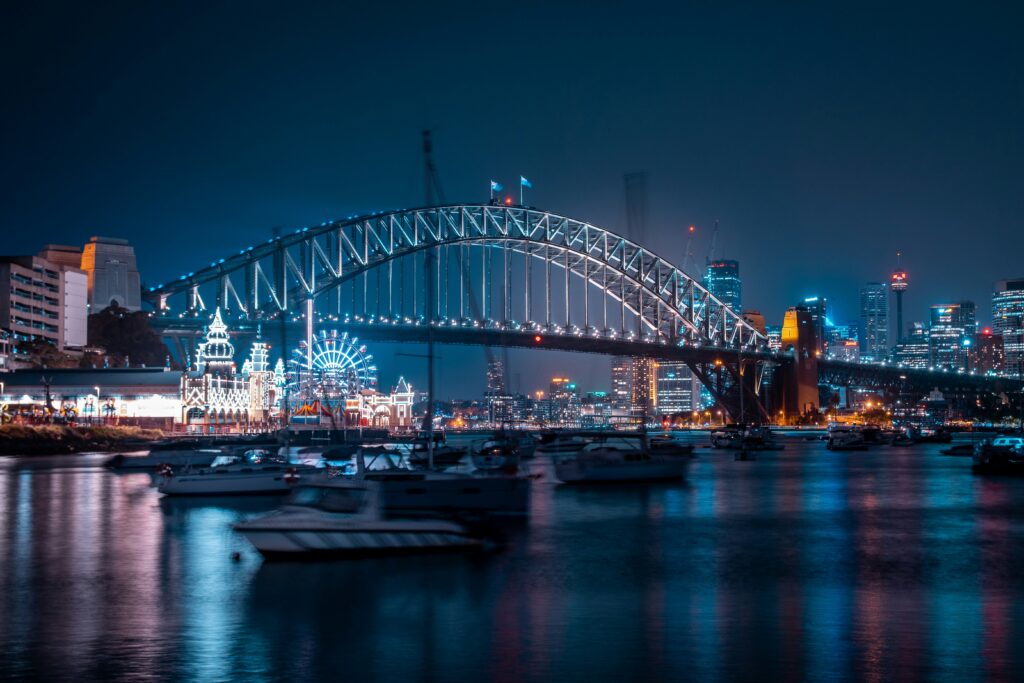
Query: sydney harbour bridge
516,276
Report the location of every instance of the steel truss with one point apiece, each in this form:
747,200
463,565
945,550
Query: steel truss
594,282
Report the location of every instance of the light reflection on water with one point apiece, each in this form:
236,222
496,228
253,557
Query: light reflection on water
804,564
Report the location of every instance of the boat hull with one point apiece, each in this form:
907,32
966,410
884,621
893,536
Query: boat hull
226,484
174,458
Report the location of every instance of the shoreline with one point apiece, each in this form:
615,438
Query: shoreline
29,440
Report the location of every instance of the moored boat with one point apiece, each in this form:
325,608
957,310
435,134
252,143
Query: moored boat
619,459
343,517
256,472
845,438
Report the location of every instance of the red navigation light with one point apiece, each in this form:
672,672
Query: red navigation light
537,339
508,201
987,331
693,228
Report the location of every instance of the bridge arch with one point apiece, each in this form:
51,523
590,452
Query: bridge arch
655,300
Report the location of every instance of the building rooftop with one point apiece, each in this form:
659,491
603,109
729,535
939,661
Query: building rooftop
90,377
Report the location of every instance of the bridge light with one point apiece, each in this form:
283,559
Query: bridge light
508,201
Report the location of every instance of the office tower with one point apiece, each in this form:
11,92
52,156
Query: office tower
948,329
564,402
622,384
874,320
644,392
674,383
1008,321
774,334
495,377
818,308
113,274
986,353
913,351
722,279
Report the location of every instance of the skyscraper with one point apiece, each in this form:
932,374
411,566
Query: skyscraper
817,306
675,388
495,377
722,279
874,320
1008,320
913,351
644,391
949,326
986,353
622,384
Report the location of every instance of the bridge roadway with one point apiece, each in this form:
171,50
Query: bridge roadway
837,373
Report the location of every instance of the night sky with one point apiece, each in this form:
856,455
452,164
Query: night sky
823,137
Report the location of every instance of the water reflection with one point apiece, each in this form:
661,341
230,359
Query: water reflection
804,564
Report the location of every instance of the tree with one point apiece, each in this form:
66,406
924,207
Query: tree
44,354
127,338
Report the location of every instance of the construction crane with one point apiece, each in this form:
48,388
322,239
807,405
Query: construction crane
714,240
688,254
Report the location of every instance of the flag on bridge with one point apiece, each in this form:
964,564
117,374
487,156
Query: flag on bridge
495,187
524,182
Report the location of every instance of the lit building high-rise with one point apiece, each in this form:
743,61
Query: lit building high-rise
43,299
774,334
818,308
674,383
622,384
1008,321
986,353
874,321
564,402
722,279
949,327
644,391
913,351
500,405
495,377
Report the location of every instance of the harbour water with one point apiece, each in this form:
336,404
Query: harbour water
805,564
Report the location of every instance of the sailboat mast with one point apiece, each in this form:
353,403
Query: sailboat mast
428,274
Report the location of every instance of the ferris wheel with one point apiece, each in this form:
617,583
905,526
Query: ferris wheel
335,365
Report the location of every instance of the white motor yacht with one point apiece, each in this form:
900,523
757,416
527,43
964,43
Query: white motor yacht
413,491
256,472
619,459
496,453
556,444
340,516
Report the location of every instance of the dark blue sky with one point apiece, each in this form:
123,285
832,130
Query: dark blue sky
825,137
